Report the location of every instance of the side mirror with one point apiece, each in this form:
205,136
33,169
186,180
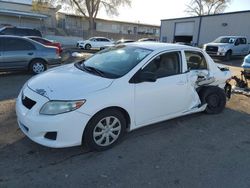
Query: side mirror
147,77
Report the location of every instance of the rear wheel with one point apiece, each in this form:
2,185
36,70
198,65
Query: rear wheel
214,97
37,66
104,130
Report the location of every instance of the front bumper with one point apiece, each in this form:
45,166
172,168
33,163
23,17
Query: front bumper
68,127
216,54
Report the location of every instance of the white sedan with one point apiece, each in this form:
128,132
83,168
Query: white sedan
94,42
117,90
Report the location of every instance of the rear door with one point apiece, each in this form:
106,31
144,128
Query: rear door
105,41
17,53
241,46
244,46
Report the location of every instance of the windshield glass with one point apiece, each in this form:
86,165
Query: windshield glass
224,40
116,61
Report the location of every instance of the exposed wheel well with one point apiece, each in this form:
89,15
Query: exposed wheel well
124,112
231,51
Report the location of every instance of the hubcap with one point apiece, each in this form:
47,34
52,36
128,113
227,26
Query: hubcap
107,131
38,67
213,100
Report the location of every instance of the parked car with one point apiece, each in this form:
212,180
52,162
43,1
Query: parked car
147,40
47,42
246,66
18,53
94,42
20,31
122,41
117,90
228,46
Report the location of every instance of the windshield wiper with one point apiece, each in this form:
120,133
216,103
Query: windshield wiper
93,70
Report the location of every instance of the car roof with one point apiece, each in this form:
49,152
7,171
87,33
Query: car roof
232,37
159,46
99,37
12,36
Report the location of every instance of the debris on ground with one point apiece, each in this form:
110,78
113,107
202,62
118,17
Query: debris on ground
243,91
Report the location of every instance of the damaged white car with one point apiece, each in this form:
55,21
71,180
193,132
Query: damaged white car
118,90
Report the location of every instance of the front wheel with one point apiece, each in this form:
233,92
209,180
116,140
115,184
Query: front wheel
104,130
215,98
87,47
228,56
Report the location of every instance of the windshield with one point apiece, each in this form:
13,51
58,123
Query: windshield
224,40
115,62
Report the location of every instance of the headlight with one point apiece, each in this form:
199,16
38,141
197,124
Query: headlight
59,107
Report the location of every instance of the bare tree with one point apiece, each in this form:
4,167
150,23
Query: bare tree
90,8
206,7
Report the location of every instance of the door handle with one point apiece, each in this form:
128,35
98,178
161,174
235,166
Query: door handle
30,53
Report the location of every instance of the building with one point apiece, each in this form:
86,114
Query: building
199,30
20,13
50,21
78,26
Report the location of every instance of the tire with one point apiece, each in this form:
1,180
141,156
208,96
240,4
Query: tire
87,47
37,66
228,55
215,98
98,136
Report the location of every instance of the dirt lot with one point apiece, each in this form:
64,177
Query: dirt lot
193,151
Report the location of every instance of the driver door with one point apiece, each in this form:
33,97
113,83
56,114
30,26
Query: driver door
168,95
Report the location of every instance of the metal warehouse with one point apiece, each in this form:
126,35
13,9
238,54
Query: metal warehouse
199,30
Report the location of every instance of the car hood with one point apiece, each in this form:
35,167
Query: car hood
67,83
217,44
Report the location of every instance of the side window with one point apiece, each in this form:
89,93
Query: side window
195,60
237,42
164,65
243,41
16,44
105,40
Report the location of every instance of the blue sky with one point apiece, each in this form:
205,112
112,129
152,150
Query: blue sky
145,12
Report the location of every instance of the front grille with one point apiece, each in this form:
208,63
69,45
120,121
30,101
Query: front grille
27,102
212,49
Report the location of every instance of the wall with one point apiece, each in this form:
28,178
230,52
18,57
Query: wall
64,40
49,22
15,6
211,27
237,24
